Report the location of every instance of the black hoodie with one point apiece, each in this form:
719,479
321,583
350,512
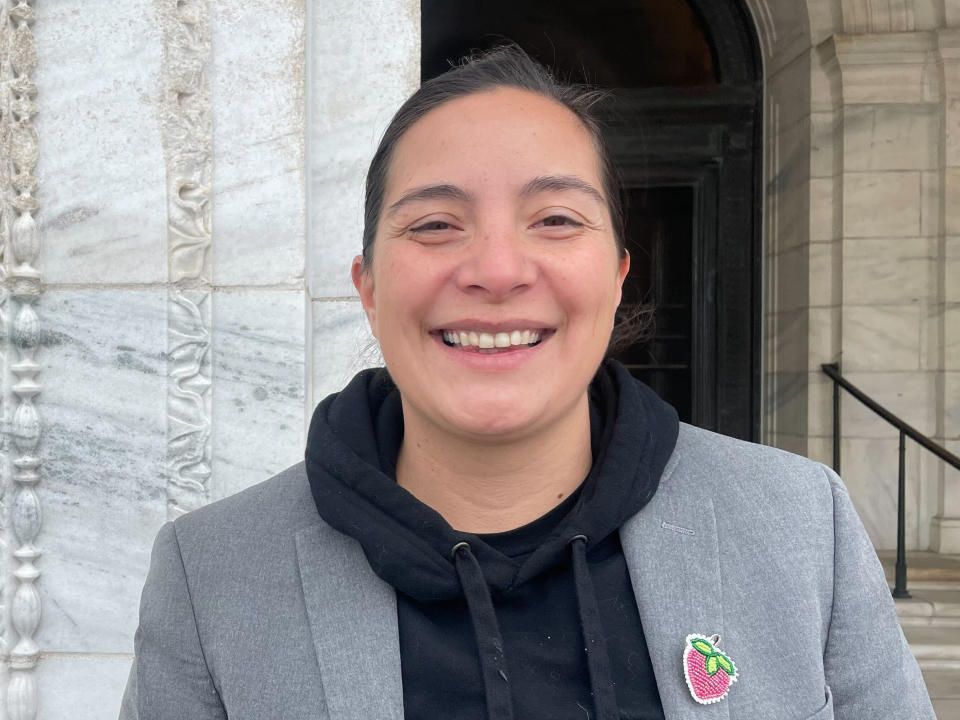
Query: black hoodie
538,622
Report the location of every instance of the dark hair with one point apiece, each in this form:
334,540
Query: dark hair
505,66
509,66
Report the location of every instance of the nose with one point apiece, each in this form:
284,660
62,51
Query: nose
497,264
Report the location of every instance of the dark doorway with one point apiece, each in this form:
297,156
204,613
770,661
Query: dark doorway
684,128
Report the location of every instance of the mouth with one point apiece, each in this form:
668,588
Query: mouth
492,343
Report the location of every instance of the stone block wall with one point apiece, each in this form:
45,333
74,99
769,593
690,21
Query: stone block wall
865,280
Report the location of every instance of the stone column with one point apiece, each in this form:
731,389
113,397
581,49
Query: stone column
945,527
889,184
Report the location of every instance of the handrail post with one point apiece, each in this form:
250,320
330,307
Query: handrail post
836,427
900,584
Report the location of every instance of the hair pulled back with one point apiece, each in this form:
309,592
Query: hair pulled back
505,66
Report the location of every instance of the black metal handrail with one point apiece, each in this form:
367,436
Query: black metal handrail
833,372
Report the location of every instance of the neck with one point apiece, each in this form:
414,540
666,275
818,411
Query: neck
494,485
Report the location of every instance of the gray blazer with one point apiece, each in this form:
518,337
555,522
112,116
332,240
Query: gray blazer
254,607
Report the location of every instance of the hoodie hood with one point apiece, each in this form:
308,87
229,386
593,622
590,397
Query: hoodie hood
351,452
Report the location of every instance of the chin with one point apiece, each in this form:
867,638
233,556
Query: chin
492,420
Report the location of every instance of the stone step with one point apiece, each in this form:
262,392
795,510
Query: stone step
944,689
923,567
935,648
939,607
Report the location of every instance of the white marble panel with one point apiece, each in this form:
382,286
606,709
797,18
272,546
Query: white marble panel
796,444
951,404
891,137
951,481
952,269
824,335
257,95
951,199
823,144
951,337
259,386
826,273
952,12
889,270
793,278
931,222
909,395
792,340
869,468
881,337
103,496
789,184
101,171
364,62
82,687
881,204
787,404
820,449
342,345
824,211
819,403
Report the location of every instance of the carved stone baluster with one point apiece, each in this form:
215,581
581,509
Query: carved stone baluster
6,212
186,125
23,284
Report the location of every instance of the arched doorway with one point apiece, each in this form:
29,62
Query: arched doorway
684,128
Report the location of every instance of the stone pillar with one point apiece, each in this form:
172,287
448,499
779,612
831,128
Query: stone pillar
945,527
889,204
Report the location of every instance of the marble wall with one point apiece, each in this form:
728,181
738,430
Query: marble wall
198,200
194,305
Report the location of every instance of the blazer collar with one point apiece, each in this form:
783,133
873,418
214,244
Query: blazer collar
353,619
672,555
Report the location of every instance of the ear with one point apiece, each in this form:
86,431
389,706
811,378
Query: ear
362,277
623,268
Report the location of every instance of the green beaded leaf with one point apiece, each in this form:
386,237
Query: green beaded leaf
725,664
702,646
713,665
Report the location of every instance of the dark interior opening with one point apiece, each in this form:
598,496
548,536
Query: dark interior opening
610,43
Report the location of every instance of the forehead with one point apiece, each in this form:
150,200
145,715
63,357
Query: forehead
500,138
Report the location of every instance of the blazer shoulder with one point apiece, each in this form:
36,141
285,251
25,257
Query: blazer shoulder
279,504
745,475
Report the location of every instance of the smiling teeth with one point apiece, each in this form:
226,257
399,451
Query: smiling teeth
486,341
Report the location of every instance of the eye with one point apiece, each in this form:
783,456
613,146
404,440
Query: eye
558,221
432,226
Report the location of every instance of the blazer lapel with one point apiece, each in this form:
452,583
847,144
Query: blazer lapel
672,555
353,618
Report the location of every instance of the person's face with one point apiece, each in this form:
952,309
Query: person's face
493,232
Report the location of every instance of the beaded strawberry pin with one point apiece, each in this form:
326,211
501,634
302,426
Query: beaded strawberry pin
708,671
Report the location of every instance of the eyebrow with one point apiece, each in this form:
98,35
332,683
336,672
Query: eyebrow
542,183
561,183
431,192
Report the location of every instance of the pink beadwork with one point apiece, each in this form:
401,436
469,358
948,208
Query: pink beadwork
708,671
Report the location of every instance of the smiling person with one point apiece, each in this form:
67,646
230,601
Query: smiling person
502,524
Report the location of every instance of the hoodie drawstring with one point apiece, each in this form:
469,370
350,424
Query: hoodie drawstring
595,642
490,642
493,664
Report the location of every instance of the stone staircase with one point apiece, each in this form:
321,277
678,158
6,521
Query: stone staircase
931,623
